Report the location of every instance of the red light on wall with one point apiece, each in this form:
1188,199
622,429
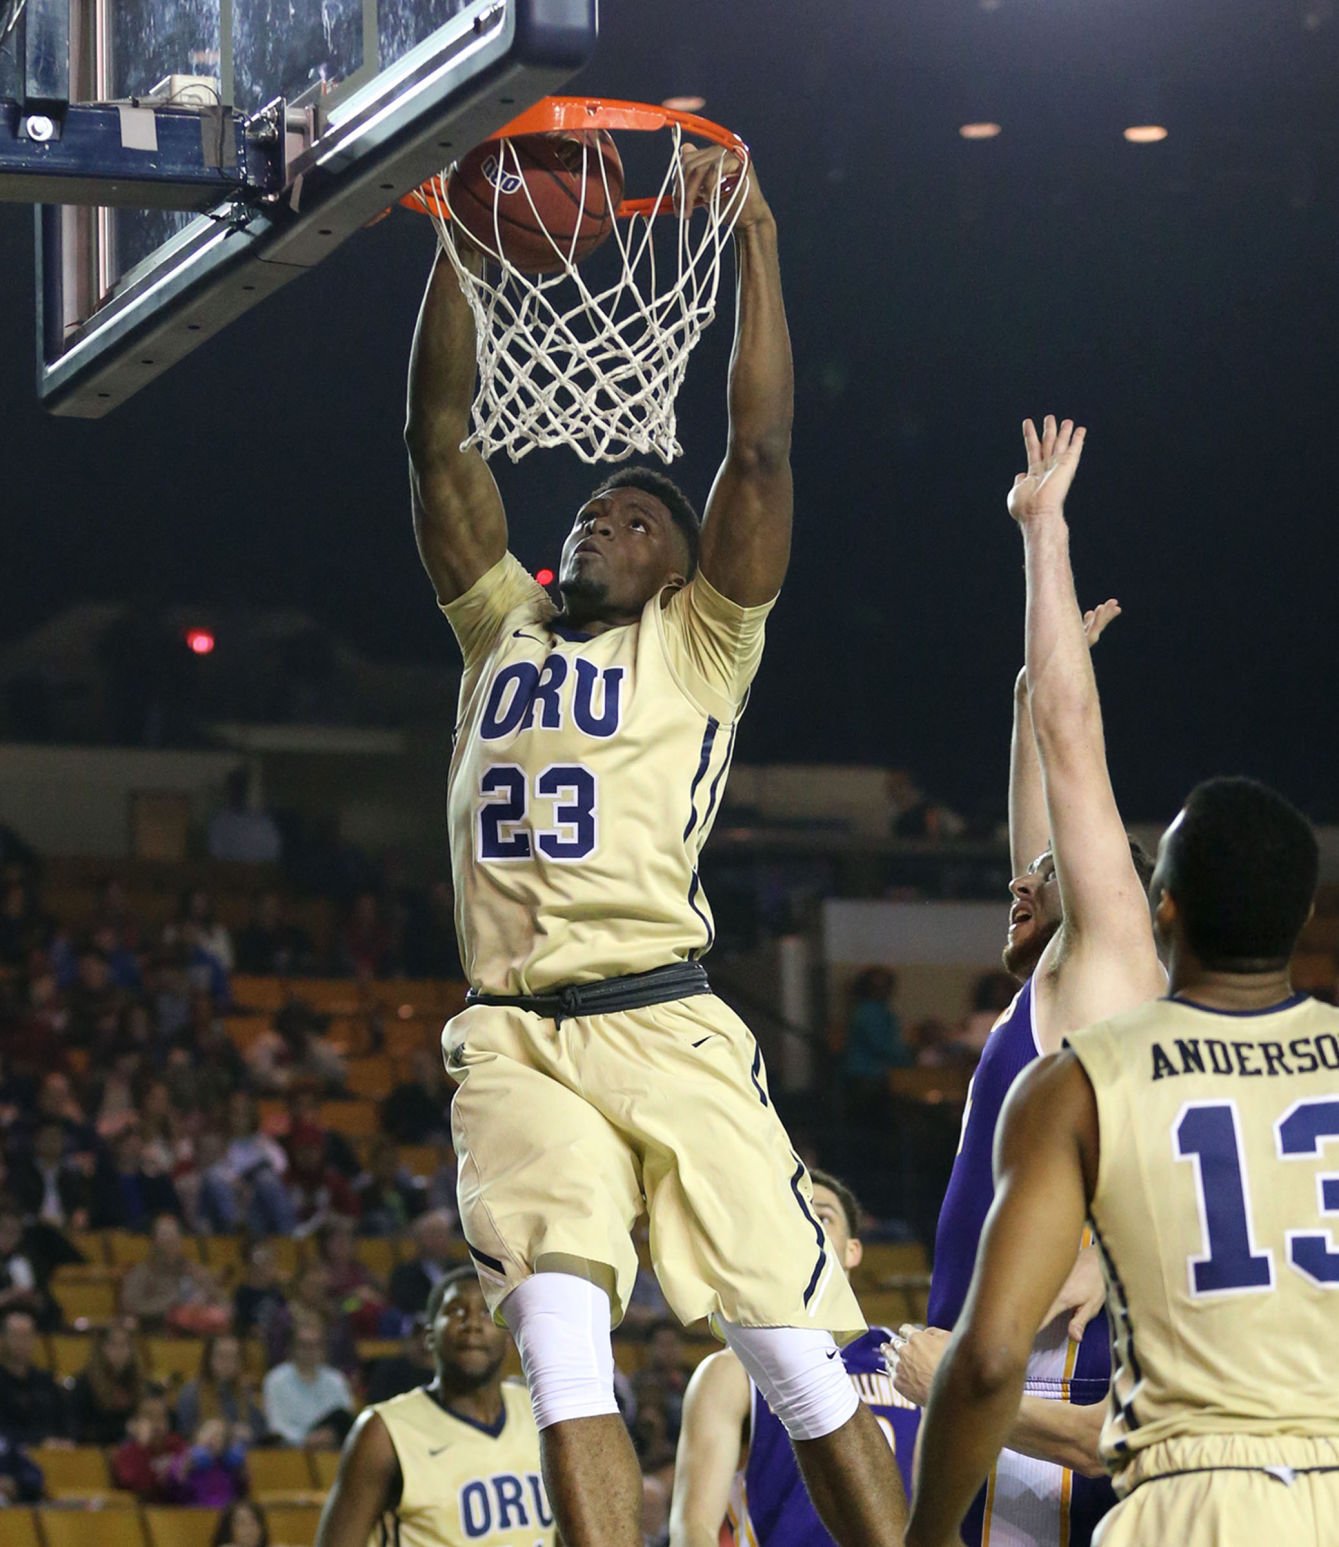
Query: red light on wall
200,641
544,576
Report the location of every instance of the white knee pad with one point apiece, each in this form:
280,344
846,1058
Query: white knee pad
561,1326
800,1374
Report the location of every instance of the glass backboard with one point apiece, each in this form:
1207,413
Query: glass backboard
366,97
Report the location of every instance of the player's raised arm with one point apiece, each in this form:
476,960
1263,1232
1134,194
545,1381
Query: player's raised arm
459,522
1105,914
1046,1161
367,1484
715,1410
746,529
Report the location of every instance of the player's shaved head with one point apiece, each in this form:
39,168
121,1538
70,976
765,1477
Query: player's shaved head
1241,864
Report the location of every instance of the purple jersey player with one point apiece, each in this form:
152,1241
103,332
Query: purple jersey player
725,1418
1081,944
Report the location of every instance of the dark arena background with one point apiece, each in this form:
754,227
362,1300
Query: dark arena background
227,696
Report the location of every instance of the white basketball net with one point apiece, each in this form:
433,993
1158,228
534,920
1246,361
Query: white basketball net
561,364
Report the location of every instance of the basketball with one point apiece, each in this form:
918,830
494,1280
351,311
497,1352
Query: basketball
524,196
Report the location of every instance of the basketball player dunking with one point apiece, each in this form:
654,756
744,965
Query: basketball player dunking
1080,941
598,1076
1195,1133
453,1463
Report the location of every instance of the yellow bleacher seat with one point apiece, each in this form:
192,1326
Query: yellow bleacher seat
258,993
82,1470
21,1527
377,1254
90,1243
89,1302
84,1273
288,1254
335,996
69,1353
173,1359
291,1525
92,1528
353,1119
372,1077
368,1349
420,1159
325,1463
245,1030
254,1361
223,1256
167,1526
281,1477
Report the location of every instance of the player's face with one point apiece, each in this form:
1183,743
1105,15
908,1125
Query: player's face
623,548
1034,917
467,1343
832,1217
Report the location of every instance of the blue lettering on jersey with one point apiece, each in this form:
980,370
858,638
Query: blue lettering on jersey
499,1503
524,696
476,1510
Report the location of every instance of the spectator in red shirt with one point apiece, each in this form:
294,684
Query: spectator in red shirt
143,1463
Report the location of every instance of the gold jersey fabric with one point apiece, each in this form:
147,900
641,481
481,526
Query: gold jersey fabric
462,1485
586,776
1217,1210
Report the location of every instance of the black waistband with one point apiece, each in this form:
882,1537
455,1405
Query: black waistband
679,980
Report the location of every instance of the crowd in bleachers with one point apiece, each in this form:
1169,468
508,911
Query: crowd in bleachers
224,1195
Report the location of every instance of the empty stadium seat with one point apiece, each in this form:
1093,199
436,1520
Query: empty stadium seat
86,1302
371,1077
291,1525
69,1353
173,1359
354,1119
325,1464
281,1477
168,1526
90,1243
21,1527
377,1255
78,1472
94,1528
223,1255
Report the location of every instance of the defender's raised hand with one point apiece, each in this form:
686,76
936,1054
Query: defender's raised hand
1052,461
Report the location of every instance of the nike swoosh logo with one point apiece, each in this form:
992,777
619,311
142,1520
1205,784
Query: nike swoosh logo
520,633
439,1450
832,1354
707,1038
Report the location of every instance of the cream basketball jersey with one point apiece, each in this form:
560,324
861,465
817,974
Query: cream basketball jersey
586,776
1217,1209
464,1485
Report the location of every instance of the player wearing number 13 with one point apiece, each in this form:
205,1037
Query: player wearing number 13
1200,1135
598,1074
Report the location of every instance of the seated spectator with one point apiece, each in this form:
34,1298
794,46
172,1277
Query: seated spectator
388,1197
112,910
992,995
272,946
242,1525
221,1390
242,832
23,1270
33,1410
204,1067
95,1003
309,1297
412,1281
128,1193
24,930
21,1480
106,1392
245,1185
212,1472
317,1192
259,1297
142,1463
51,1185
199,926
293,1053
304,1110
663,1378
365,948
360,1298
394,1374
417,1111
306,1401
873,1042
170,1291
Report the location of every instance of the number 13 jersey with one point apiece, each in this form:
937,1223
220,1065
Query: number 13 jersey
586,775
1217,1210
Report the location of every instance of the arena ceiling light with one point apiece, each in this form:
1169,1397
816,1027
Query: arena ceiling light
689,104
979,131
1145,134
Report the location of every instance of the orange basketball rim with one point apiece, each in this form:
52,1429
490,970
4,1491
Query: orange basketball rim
557,114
